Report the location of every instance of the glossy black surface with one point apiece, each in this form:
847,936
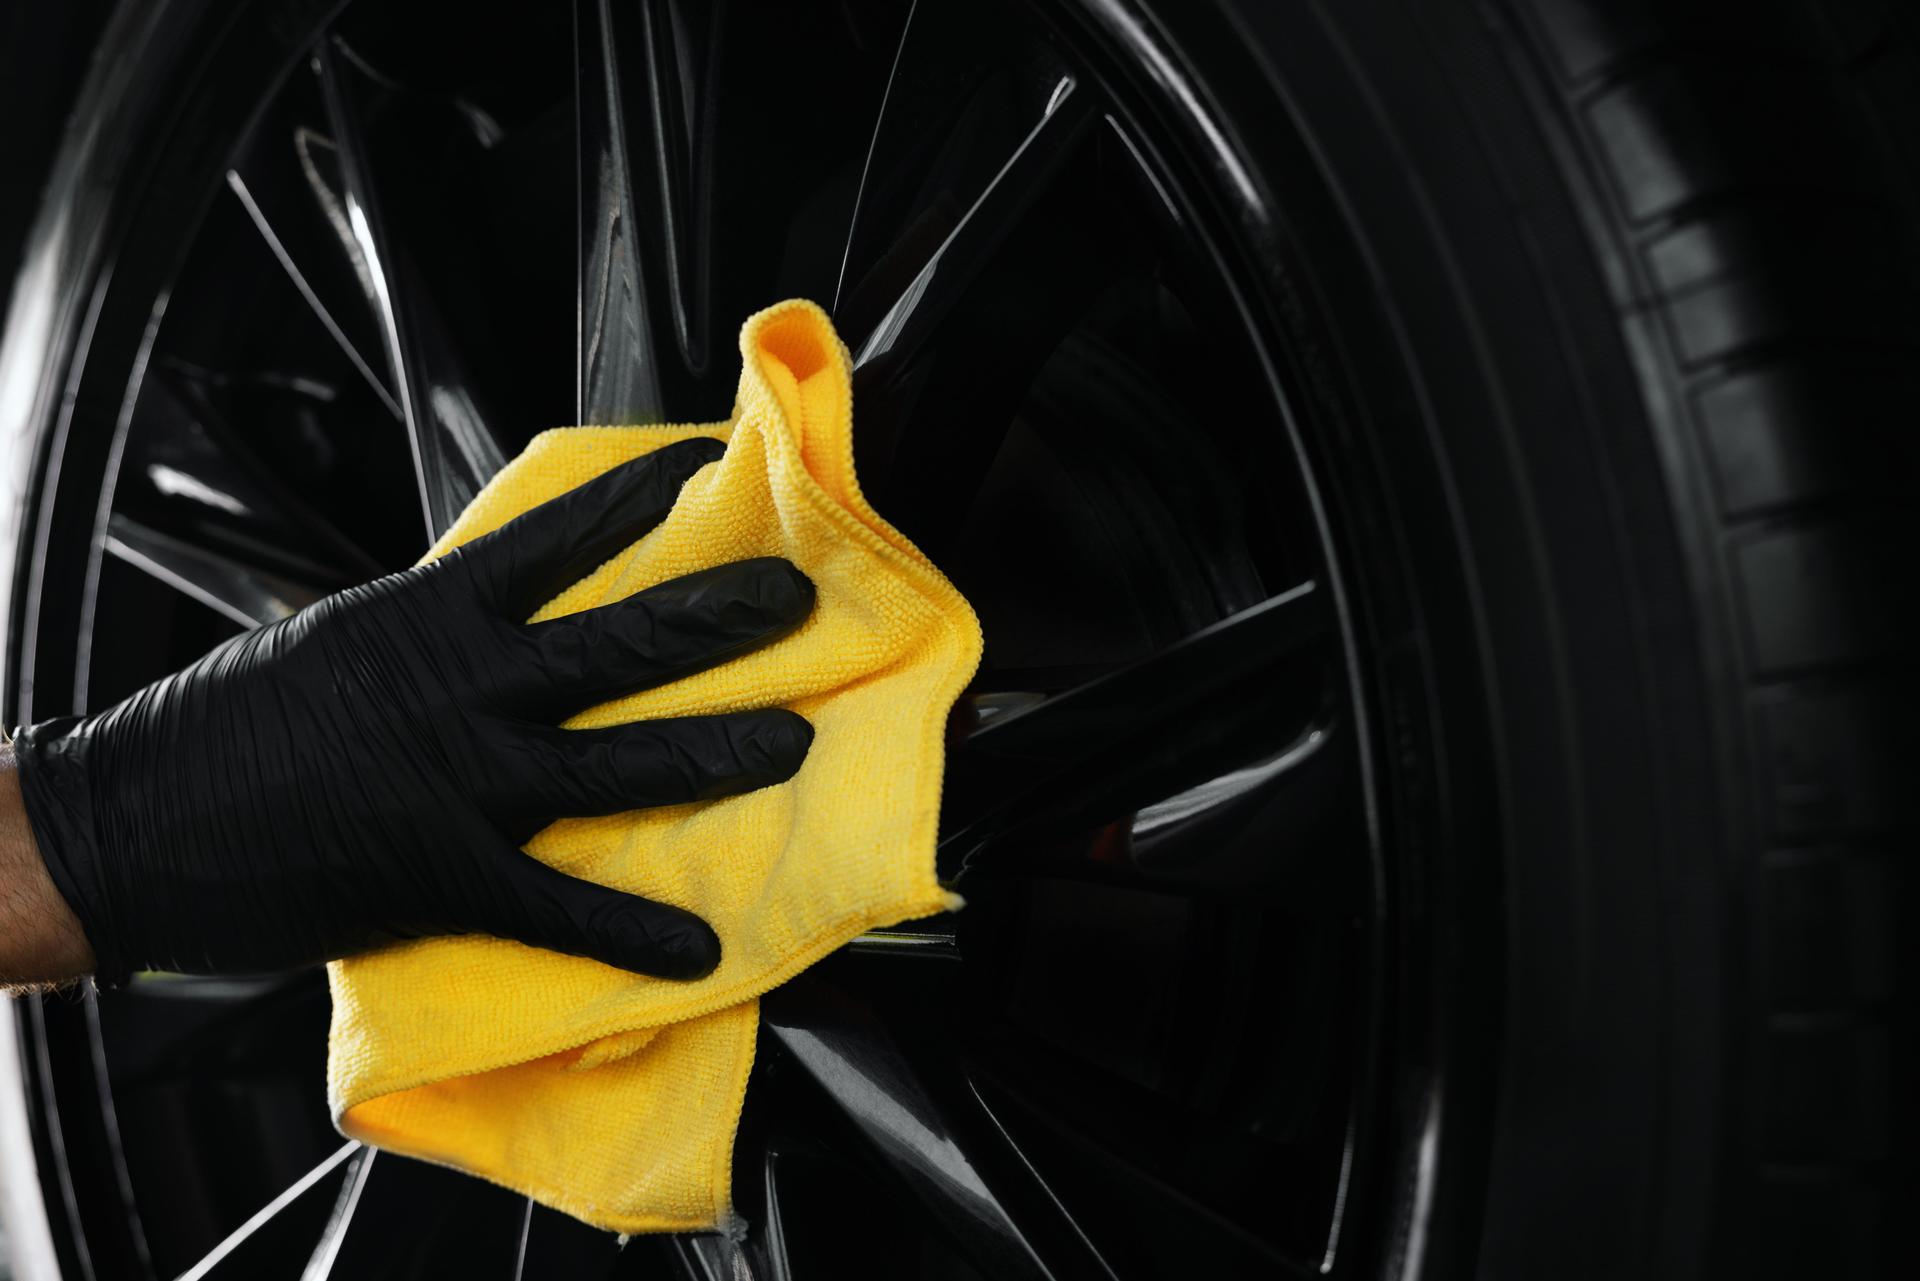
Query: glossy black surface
1205,716
718,150
454,450
1147,1045
851,1057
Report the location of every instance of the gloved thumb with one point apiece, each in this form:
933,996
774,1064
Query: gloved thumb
537,905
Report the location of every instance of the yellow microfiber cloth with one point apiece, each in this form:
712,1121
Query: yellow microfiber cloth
613,1096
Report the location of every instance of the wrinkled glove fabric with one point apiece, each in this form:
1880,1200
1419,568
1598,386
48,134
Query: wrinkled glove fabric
614,1096
366,770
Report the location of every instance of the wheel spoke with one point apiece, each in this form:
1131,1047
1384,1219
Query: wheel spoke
553,1244
942,280
707,1257
777,1266
621,377
180,1057
968,84
1012,1145
647,118
1160,687
983,238
327,1252
416,1219
850,1057
696,209
309,281
454,451
187,472
228,1248
526,1233
287,181
248,596
1143,771
1100,1173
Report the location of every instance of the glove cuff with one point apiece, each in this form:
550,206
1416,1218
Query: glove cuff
52,763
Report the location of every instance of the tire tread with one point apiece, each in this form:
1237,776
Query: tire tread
1762,163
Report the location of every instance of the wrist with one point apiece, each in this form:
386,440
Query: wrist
42,939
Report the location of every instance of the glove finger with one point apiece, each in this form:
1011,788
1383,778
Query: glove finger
543,551
549,773
672,630
537,905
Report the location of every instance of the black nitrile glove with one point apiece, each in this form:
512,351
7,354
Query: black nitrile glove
365,770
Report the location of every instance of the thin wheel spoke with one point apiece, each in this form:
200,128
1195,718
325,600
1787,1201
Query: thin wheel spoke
327,1252
526,1230
773,1225
993,248
416,1219
454,451
247,596
966,85
696,208
287,180
852,1059
265,1215
553,1244
174,1055
1007,1139
1080,1148
942,280
303,282
707,1257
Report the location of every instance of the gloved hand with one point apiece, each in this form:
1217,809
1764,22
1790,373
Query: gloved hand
364,771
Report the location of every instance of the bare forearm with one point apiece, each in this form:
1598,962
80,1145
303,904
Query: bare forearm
40,939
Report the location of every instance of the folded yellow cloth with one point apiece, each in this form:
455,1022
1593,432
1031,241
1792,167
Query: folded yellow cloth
612,1096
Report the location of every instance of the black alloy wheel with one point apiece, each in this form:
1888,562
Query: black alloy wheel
369,313
1439,699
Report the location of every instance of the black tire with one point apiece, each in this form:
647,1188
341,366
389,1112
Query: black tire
1599,316
1652,267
